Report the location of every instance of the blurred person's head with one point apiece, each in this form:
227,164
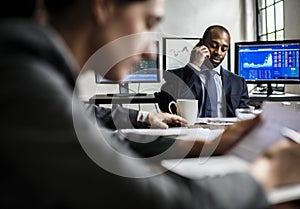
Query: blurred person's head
217,39
87,25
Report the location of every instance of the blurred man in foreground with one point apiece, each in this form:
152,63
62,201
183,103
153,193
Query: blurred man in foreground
44,149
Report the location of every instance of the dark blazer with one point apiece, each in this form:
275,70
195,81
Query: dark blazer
117,118
45,133
183,83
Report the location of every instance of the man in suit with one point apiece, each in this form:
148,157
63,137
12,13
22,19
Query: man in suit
120,118
46,134
116,118
190,81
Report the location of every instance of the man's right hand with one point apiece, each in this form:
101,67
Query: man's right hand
198,55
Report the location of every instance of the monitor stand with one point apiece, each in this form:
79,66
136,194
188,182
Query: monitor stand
269,91
124,91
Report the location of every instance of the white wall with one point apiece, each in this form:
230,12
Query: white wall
190,18
292,30
292,19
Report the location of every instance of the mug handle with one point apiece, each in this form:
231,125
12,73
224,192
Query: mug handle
170,110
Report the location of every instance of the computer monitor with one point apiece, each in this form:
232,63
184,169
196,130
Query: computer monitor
267,62
147,71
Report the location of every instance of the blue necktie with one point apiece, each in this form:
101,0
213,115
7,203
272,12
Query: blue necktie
211,94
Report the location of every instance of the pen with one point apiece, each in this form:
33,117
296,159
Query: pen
219,121
290,134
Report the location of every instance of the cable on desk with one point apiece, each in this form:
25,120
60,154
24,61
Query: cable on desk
139,87
129,89
156,96
257,86
155,105
253,89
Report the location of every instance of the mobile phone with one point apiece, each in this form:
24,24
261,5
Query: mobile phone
200,43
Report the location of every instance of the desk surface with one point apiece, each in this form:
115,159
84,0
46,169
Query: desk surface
104,99
275,97
150,98
180,133
257,99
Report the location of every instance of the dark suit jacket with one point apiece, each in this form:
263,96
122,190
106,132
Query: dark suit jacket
117,118
184,83
45,133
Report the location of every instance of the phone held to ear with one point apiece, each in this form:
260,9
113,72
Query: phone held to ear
200,43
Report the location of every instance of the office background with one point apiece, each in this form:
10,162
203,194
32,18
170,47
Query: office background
190,18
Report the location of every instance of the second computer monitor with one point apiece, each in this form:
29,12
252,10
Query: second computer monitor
146,71
268,61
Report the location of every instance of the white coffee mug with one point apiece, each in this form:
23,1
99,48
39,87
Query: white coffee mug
186,108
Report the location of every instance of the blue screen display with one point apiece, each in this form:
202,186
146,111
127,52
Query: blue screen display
146,71
268,61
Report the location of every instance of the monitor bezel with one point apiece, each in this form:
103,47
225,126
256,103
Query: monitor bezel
261,81
136,81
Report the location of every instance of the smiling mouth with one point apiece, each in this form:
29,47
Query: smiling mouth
217,60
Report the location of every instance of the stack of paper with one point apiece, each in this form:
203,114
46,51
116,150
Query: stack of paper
182,133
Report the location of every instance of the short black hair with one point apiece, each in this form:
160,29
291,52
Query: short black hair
17,8
57,6
210,28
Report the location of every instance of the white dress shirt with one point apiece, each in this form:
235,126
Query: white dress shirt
219,87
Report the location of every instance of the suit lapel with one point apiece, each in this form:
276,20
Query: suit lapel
225,81
192,80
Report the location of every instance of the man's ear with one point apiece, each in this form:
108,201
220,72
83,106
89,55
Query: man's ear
102,10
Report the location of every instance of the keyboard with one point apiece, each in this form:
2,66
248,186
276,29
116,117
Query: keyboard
260,92
126,94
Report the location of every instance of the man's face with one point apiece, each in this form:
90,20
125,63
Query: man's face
136,18
218,45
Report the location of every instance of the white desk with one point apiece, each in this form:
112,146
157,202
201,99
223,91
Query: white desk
181,133
257,99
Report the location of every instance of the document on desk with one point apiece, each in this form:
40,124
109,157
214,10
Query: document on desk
180,133
267,133
216,121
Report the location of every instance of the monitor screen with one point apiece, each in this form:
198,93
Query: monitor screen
268,61
147,71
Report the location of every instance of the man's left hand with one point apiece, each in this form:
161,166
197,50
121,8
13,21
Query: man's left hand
163,120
